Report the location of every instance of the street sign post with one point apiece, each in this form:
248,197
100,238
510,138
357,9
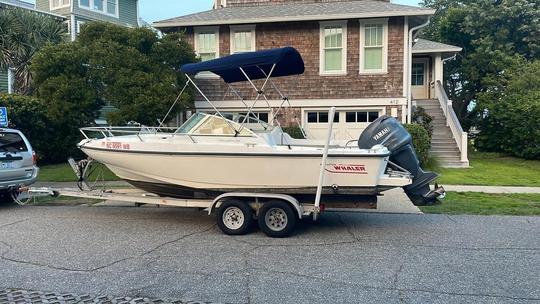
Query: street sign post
3,117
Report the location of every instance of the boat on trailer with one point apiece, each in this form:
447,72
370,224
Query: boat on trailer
212,155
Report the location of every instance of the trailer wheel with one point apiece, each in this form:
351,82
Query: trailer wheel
277,219
234,217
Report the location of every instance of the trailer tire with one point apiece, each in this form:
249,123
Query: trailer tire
234,217
277,219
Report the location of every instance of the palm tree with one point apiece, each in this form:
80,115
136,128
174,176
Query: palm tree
22,34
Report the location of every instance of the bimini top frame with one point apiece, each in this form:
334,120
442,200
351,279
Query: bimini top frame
248,67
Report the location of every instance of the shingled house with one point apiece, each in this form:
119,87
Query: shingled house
361,56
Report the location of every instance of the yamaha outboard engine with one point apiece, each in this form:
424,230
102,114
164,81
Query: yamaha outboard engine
389,132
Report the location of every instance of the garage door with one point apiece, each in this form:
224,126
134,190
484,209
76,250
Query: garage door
348,124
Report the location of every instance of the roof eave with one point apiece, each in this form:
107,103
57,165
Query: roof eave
424,12
447,50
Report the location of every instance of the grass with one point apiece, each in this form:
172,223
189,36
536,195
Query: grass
64,173
487,204
493,169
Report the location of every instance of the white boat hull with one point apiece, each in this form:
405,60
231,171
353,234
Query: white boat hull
294,172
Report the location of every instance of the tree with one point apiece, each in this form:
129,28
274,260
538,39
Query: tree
131,69
511,108
22,34
493,34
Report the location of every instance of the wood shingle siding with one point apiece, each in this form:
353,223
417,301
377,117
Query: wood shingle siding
304,36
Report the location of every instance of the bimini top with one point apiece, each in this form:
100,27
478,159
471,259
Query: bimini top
287,60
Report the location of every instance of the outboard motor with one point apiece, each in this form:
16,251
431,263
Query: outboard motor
389,132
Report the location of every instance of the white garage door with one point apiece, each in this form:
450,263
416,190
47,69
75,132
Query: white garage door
348,124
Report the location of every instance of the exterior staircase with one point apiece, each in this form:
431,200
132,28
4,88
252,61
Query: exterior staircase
443,144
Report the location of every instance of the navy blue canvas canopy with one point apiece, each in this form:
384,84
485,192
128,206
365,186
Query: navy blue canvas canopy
287,60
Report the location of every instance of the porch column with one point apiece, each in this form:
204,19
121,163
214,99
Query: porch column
10,80
438,70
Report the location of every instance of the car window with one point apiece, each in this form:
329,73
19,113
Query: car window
12,142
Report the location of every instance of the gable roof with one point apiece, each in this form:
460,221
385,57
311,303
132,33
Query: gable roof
428,46
296,12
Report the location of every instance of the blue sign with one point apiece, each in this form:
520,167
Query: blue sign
3,117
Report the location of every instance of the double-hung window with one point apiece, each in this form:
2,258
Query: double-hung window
373,46
333,48
108,7
59,4
206,42
242,39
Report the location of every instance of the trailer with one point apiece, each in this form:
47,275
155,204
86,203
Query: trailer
236,212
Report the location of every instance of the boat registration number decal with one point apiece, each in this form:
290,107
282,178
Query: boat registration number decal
346,168
115,145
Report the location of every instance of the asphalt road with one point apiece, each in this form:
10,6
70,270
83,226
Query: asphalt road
345,258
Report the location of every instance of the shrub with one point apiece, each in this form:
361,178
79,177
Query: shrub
421,141
420,116
294,132
510,121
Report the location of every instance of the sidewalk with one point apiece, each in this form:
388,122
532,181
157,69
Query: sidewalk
491,189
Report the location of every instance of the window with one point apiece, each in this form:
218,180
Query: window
320,117
108,7
373,46
12,142
242,39
333,48
417,78
59,4
206,43
361,116
111,7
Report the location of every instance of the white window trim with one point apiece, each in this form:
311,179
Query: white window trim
323,24
104,12
51,7
384,22
242,28
196,31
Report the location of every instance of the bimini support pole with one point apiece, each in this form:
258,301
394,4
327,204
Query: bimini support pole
260,92
213,106
174,103
318,195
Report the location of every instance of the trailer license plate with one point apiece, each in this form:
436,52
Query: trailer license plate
6,165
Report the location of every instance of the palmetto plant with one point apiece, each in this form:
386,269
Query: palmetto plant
22,34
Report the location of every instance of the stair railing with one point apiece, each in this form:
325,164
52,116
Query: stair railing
452,121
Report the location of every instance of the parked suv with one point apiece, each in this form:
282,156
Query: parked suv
17,163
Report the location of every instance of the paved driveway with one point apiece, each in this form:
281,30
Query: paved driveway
346,258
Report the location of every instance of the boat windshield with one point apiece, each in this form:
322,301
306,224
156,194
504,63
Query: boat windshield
190,123
206,124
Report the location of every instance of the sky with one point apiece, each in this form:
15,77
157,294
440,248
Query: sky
154,10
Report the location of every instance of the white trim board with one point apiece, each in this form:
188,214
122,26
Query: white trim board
308,103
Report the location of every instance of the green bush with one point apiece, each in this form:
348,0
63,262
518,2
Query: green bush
511,108
294,132
421,141
420,116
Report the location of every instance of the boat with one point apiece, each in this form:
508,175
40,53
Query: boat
213,153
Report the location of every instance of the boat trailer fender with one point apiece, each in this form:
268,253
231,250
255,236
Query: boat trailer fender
291,200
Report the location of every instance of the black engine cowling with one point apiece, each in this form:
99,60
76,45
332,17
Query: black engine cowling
389,132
